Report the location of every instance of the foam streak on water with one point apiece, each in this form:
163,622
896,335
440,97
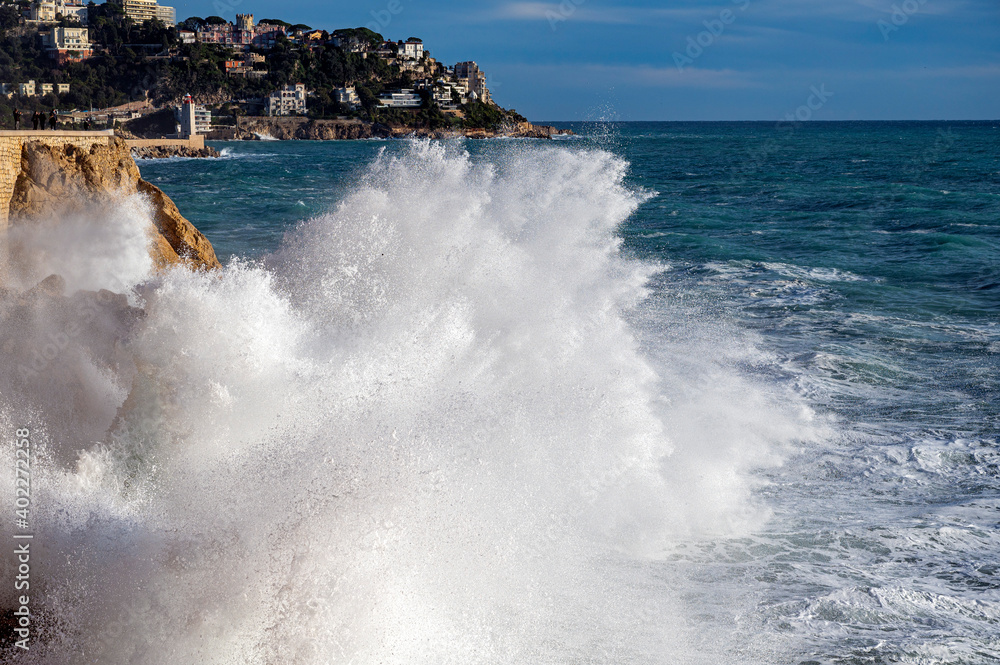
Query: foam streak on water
431,428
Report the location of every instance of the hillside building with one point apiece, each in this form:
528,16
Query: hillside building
400,99
290,100
23,89
446,93
141,11
30,89
411,49
168,15
474,79
347,97
241,35
67,44
50,11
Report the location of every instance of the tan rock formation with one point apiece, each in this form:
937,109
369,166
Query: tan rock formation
57,178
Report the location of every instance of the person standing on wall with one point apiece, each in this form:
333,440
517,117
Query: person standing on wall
52,120
17,119
34,121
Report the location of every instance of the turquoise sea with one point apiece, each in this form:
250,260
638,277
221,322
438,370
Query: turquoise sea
680,393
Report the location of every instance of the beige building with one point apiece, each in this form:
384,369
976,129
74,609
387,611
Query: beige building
167,14
23,89
50,11
474,79
138,10
290,100
30,89
66,44
141,11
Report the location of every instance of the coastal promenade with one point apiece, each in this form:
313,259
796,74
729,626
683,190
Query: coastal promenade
11,143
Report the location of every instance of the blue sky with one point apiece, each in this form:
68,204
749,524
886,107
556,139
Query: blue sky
696,59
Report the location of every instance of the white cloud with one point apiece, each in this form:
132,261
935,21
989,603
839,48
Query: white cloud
589,75
588,12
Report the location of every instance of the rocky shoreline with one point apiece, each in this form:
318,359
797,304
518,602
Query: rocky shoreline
163,152
305,129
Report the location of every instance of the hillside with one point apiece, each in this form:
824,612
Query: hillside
150,62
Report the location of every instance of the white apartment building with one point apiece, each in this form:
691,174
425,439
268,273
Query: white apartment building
290,100
412,49
401,99
348,97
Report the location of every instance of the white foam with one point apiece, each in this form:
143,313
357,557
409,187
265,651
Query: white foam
104,247
424,431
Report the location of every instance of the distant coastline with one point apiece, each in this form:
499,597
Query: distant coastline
243,80
308,129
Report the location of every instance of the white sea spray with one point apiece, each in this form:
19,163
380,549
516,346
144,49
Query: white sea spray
424,431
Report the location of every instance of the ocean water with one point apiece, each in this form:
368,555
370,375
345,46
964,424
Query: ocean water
659,393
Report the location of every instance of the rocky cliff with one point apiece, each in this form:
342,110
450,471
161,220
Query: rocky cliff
290,128
53,177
